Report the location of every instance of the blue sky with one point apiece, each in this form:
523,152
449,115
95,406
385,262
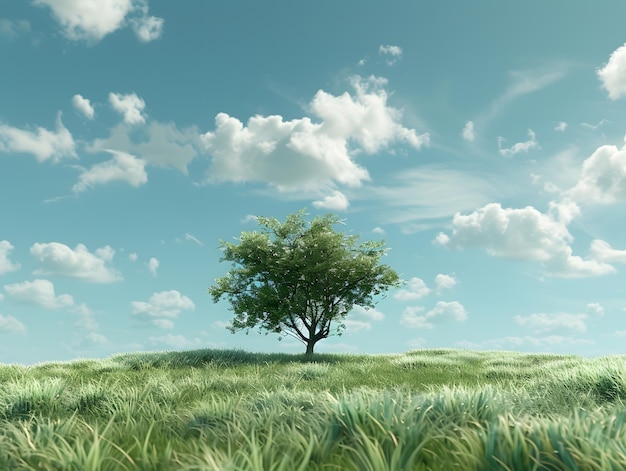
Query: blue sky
483,141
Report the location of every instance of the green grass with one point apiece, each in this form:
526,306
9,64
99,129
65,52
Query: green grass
231,410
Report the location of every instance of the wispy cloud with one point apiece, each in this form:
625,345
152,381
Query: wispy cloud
518,147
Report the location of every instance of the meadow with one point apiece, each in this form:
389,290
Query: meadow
234,410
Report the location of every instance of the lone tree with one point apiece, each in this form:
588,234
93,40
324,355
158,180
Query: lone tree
297,277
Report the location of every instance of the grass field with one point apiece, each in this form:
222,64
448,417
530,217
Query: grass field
231,410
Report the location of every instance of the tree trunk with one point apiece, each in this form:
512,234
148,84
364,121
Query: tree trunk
309,348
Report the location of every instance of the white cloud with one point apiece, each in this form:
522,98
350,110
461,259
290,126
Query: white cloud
122,167
130,106
518,147
164,324
337,202
189,238
595,126
416,289
378,230
302,155
176,341
166,304
193,238
603,177
83,106
356,326
148,28
159,144
6,265
371,314
521,234
39,292
445,282
133,257
468,132
393,53
595,309
601,250
442,311
561,321
59,259
92,20
222,324
423,193
613,74
560,126
89,20
153,264
10,324
42,143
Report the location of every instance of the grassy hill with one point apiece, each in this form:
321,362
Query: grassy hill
231,410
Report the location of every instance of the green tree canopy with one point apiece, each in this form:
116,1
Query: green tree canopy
296,278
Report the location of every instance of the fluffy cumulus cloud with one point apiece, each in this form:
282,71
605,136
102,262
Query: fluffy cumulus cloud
518,147
148,28
130,106
59,259
416,289
522,234
122,167
83,106
42,143
468,133
11,325
92,20
39,292
601,250
412,316
6,265
303,154
613,74
444,282
603,177
336,202
165,305
558,322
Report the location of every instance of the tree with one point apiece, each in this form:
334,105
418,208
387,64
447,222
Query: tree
298,277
